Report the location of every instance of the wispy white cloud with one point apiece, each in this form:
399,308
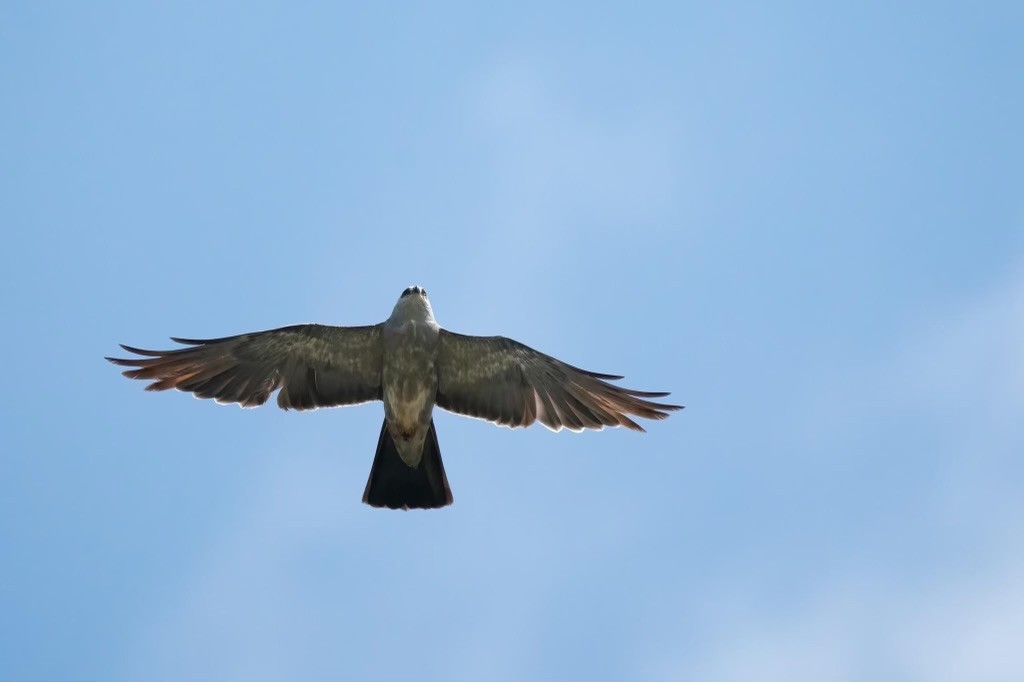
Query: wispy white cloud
962,373
242,614
562,164
568,181
949,629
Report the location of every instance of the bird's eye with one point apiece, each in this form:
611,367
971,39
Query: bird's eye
423,291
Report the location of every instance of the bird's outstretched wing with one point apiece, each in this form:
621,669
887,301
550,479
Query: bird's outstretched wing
313,365
503,381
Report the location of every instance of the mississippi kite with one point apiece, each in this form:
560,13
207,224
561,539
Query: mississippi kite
411,364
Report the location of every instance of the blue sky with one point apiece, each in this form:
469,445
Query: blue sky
805,221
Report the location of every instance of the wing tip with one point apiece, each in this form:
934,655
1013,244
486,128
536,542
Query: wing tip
189,342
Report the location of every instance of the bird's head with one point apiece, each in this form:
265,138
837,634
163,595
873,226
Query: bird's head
414,291
413,304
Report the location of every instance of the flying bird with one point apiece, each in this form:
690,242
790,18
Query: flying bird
411,364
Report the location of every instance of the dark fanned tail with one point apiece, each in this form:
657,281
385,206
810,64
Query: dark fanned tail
396,485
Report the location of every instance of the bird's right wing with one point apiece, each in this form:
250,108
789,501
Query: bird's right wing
503,381
313,365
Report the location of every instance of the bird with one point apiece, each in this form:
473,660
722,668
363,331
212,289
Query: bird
412,365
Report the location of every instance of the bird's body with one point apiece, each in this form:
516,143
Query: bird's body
411,364
410,340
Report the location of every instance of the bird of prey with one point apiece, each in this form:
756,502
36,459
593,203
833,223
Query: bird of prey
411,364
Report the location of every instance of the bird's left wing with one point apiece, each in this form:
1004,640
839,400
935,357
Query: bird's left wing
503,381
313,365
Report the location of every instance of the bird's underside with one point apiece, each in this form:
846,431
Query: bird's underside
492,378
